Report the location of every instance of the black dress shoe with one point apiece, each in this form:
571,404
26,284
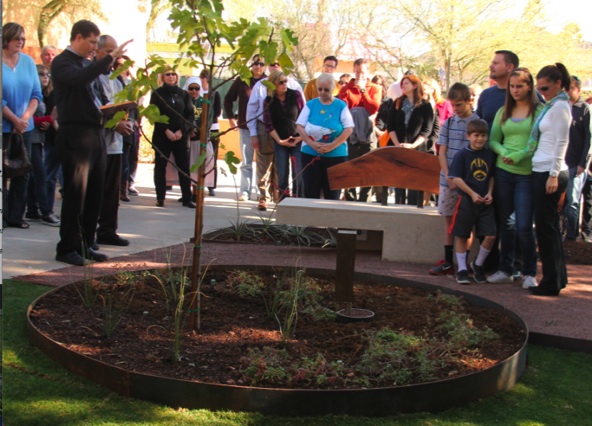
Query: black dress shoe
72,258
112,240
159,203
212,192
541,291
94,245
91,254
189,204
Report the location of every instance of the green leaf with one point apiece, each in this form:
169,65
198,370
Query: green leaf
119,115
152,113
231,161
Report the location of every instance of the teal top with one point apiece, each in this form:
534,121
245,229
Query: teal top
510,139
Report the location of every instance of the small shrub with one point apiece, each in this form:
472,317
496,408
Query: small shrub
461,332
246,284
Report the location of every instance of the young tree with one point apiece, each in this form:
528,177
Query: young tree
202,30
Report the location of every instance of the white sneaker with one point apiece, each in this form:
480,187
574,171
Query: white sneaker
500,277
529,282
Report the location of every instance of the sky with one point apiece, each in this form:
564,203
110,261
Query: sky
560,12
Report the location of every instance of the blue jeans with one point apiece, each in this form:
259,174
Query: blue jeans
246,167
53,171
37,191
283,164
514,194
571,209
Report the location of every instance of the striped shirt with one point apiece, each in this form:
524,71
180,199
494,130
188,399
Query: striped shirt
453,135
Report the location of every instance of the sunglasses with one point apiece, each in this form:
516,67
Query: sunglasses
44,74
543,89
274,64
283,82
323,89
170,74
194,88
260,64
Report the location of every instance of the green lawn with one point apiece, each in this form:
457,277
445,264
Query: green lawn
556,390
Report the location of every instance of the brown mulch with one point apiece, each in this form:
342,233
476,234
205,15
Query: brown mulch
569,315
233,325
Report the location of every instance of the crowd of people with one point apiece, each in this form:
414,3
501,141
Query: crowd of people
507,153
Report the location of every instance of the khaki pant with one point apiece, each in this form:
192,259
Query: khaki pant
265,160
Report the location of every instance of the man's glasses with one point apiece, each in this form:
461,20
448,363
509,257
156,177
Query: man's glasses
194,88
323,89
44,74
170,74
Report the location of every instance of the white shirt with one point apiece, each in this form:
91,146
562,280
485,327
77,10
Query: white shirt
257,102
554,137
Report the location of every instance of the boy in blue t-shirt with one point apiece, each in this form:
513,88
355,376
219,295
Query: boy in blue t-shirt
472,173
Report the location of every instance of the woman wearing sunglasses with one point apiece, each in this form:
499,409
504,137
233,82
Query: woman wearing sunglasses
171,138
282,107
548,140
324,124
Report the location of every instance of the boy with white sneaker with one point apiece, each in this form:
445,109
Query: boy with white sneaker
472,173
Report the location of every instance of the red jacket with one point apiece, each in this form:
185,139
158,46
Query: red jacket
352,96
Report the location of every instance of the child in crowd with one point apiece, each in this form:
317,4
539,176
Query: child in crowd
453,138
472,173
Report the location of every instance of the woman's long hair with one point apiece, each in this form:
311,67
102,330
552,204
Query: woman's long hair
417,92
49,88
524,75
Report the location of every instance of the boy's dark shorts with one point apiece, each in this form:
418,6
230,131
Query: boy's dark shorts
469,214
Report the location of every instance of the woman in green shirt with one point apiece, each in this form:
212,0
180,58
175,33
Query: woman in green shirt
513,193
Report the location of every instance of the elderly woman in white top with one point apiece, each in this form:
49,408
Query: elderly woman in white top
549,138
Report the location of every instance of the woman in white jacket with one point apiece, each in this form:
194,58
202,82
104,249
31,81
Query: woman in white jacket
548,140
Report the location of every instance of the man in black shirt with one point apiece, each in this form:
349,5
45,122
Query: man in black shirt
576,157
79,143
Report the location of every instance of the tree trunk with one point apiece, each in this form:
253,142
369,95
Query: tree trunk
48,13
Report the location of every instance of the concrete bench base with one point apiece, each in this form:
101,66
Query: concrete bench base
409,234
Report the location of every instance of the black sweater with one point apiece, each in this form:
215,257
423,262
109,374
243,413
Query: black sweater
177,105
72,79
421,123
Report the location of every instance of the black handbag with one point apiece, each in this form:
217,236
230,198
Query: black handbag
15,158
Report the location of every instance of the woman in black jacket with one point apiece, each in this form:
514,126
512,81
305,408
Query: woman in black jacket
282,108
410,123
172,137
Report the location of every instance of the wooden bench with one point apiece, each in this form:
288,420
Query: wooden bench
409,234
